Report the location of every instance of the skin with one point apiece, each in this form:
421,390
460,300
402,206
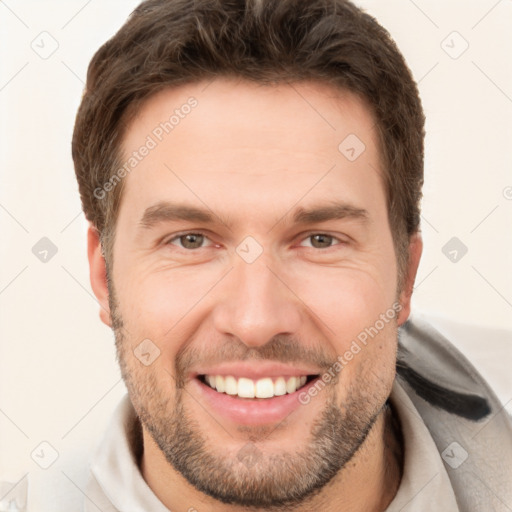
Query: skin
253,154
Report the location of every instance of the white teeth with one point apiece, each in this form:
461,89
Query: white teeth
291,385
261,388
264,388
219,384
231,385
245,388
280,387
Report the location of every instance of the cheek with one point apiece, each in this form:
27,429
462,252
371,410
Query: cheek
344,301
369,366
354,310
155,302
165,307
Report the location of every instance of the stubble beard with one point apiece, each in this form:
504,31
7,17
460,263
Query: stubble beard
250,477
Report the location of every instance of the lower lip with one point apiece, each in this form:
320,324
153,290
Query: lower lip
250,411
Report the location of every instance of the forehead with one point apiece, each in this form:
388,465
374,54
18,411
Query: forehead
238,143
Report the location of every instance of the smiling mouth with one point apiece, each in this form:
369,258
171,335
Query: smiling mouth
267,387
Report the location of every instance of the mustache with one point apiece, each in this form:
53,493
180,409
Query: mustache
281,348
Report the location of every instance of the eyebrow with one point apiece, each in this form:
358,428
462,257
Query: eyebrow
333,211
168,212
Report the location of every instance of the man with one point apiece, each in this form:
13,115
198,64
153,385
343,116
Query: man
252,173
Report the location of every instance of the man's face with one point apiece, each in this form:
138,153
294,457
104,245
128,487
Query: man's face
255,294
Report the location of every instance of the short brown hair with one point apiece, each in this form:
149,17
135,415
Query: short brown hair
167,43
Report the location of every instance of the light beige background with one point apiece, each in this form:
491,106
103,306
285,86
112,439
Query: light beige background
58,376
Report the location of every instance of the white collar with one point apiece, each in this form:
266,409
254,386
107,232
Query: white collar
425,484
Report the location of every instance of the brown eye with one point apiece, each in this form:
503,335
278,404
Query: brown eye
190,240
321,241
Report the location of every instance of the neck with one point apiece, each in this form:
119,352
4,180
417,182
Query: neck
368,483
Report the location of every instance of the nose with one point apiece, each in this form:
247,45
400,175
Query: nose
255,304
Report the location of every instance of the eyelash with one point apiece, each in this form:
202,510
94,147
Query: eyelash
309,235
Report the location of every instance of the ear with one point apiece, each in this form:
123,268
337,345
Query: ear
98,273
415,250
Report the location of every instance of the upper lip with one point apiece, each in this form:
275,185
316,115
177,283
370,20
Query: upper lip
255,370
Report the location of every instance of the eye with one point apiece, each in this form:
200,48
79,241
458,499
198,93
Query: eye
322,240
188,240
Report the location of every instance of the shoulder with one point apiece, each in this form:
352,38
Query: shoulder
462,412
439,372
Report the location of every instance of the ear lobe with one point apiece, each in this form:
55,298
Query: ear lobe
98,273
415,250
